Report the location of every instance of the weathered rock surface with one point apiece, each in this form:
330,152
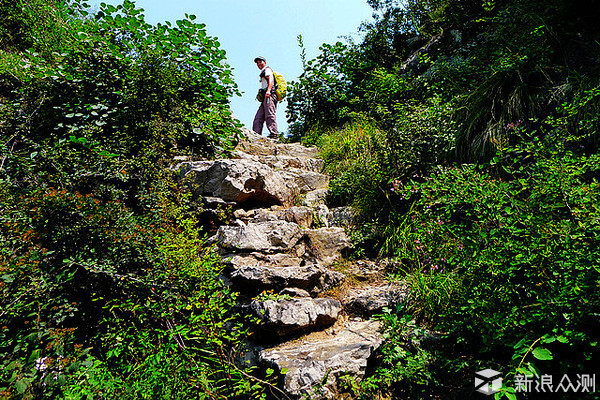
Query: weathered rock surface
364,270
258,259
302,216
294,292
283,317
372,299
241,181
306,181
260,146
280,162
259,236
254,279
310,360
315,198
328,244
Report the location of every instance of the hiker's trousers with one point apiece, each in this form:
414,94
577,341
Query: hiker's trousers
266,113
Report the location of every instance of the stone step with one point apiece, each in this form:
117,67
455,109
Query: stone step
244,181
303,216
315,198
255,279
258,259
283,162
267,236
324,245
372,299
282,317
306,181
315,362
327,244
239,181
255,144
275,244
257,272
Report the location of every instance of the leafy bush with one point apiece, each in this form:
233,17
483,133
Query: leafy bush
363,159
107,288
522,236
320,94
404,365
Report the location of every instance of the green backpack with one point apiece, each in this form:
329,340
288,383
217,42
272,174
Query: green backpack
281,85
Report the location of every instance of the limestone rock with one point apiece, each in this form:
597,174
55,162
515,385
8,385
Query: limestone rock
255,144
282,162
315,198
283,317
315,357
327,244
302,216
269,236
365,270
329,279
307,181
372,299
294,292
286,162
257,259
241,181
253,279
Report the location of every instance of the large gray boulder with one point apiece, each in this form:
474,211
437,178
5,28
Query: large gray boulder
313,278
282,317
315,362
268,236
240,181
327,244
366,301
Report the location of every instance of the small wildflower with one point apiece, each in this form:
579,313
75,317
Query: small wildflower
42,363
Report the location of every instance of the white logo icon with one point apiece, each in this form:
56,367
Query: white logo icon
488,381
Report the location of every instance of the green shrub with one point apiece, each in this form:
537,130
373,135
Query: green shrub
404,367
107,288
522,237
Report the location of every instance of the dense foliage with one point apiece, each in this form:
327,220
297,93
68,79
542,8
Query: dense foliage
106,286
466,132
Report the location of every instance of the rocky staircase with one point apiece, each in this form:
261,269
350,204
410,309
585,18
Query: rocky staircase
285,253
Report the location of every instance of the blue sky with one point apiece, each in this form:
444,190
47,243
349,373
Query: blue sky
266,27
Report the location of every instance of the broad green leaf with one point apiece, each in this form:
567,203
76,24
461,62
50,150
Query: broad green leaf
542,354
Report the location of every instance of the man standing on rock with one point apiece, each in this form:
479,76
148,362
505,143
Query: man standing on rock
268,100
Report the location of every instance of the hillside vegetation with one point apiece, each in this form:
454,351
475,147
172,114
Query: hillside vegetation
107,289
466,133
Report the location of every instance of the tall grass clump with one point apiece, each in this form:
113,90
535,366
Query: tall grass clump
354,157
